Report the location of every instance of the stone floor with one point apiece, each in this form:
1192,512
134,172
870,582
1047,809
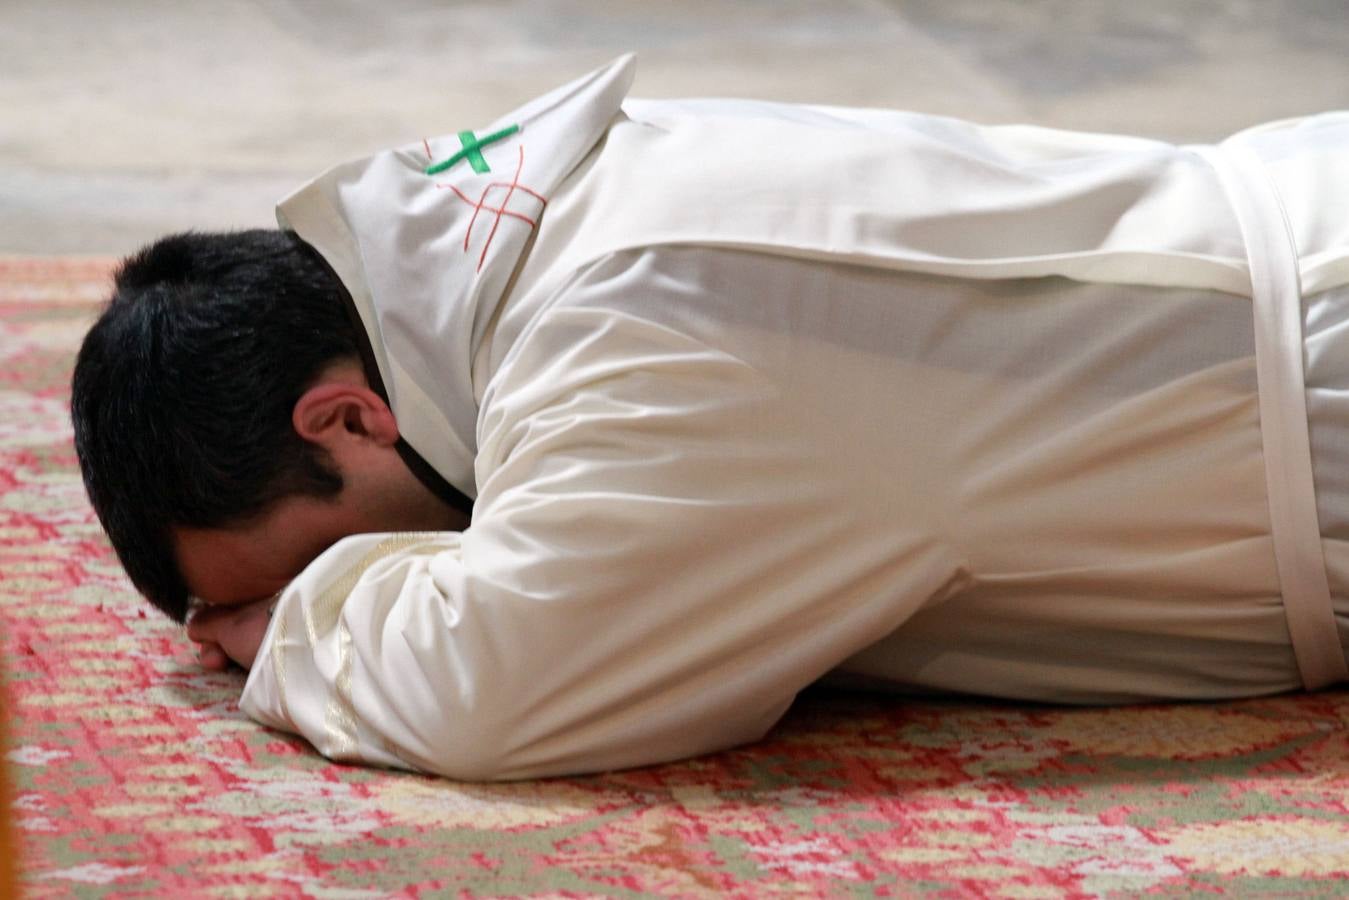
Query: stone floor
120,121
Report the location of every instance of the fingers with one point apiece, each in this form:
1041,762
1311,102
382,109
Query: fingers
229,633
209,628
212,658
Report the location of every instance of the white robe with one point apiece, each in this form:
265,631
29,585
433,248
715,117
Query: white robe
749,395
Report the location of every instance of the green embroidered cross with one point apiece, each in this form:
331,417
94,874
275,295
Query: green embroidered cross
471,150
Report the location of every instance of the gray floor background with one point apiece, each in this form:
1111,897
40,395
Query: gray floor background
122,120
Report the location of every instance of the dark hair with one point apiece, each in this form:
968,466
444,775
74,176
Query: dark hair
183,392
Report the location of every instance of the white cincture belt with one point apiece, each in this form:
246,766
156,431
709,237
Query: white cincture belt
1276,294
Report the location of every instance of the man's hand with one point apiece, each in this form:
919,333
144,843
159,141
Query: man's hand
225,633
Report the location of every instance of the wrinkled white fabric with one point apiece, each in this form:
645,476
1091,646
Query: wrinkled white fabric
775,393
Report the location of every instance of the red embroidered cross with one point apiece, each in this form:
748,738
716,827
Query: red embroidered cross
499,212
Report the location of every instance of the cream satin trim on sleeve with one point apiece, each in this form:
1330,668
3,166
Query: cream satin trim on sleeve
323,617
1276,292
278,657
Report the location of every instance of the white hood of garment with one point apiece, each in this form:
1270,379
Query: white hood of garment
427,257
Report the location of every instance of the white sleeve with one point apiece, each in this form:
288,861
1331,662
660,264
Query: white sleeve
648,577
389,652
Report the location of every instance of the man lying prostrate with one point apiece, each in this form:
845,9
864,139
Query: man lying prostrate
588,438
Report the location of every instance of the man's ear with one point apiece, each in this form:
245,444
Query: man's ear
334,411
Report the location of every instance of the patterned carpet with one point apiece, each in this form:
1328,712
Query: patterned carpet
134,774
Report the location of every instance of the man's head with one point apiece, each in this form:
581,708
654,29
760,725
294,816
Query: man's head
220,413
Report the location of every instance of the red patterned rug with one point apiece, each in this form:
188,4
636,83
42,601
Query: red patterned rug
134,773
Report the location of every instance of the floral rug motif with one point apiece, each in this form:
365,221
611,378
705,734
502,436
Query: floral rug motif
133,773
